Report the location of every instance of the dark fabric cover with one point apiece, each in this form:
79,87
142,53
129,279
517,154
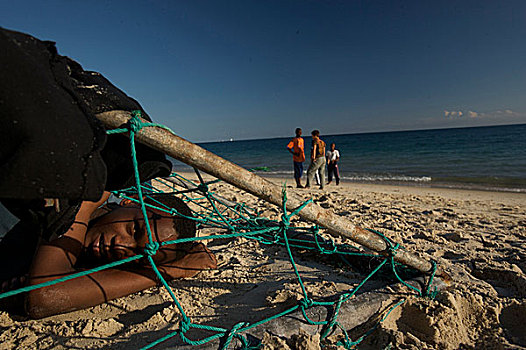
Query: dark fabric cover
100,95
51,144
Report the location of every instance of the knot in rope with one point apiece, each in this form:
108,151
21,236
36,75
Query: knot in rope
431,294
393,249
330,242
427,291
184,326
135,124
202,188
233,333
276,237
285,221
305,303
151,248
346,343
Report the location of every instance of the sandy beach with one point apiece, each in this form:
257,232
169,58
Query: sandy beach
477,237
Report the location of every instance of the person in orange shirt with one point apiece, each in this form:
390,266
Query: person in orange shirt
296,147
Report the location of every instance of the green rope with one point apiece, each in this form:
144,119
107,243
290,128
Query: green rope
69,277
240,220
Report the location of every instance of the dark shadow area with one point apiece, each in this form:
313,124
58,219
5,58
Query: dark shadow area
513,320
132,317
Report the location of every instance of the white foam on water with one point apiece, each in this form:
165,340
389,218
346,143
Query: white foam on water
374,178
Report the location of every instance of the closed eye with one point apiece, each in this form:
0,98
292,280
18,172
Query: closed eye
136,229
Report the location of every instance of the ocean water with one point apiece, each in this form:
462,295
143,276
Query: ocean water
491,158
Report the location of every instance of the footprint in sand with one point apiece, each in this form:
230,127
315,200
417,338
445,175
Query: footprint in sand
513,318
453,256
507,283
428,324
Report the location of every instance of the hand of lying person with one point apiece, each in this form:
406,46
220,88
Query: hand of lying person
198,258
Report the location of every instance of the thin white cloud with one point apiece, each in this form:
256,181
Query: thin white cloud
472,114
453,114
495,115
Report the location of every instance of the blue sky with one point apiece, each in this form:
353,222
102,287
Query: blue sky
215,70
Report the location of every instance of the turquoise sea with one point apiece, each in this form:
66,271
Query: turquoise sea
490,158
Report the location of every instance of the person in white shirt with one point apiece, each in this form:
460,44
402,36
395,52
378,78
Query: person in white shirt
332,164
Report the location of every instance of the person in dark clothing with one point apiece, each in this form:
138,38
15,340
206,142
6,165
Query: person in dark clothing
56,167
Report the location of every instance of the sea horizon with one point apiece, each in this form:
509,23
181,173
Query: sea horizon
483,157
307,133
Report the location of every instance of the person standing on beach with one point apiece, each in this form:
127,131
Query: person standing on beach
297,148
317,159
332,164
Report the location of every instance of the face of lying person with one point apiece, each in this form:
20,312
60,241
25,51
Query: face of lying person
122,233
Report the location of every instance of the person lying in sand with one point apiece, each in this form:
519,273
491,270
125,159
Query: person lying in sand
56,161
120,232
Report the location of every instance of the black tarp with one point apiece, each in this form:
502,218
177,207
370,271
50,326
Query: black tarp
51,144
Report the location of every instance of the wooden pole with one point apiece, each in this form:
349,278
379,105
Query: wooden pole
191,154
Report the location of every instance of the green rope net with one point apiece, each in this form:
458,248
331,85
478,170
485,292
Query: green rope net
233,219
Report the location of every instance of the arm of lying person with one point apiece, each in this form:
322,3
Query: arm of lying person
117,235
112,283
58,258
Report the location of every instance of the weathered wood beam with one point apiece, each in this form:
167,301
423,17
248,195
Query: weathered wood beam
195,156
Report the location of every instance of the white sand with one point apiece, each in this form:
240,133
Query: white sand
478,237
